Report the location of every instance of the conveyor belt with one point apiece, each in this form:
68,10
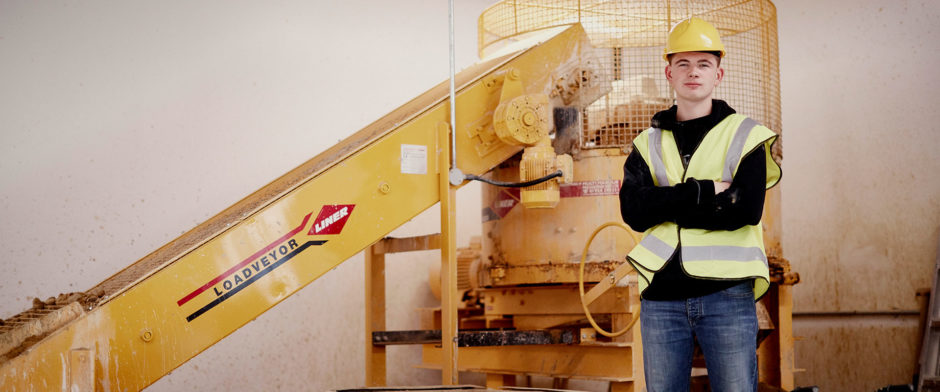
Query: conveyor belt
149,318
23,329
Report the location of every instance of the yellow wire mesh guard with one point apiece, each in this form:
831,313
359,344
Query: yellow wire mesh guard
630,36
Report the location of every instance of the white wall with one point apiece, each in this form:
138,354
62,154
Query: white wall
124,124
861,189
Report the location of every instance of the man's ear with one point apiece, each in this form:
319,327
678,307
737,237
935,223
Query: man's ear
668,72
721,75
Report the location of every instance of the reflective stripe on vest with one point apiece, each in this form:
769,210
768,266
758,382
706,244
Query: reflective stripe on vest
658,247
692,254
737,148
720,254
656,157
732,158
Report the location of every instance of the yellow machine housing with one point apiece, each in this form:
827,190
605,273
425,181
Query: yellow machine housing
543,246
523,119
597,111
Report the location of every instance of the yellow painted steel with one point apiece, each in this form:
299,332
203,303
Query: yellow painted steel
601,361
449,296
534,247
614,277
374,316
537,246
538,161
523,119
378,180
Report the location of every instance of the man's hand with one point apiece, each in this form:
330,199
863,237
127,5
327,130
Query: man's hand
721,186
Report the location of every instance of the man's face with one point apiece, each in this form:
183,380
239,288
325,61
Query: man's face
694,75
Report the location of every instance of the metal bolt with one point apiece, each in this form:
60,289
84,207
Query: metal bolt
146,335
385,188
528,118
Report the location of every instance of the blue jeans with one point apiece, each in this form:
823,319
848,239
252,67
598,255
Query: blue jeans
725,324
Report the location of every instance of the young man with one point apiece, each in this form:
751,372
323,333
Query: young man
695,185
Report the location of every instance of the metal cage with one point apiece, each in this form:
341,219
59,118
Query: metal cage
631,36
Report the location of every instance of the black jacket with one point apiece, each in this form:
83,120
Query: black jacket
693,203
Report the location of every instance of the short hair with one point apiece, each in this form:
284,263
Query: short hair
714,52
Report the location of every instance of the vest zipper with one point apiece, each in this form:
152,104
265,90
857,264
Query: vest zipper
685,165
685,170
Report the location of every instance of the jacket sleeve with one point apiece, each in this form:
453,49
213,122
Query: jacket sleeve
644,205
740,205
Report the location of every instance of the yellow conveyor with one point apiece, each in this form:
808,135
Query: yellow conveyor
157,313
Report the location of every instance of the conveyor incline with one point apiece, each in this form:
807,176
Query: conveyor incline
157,313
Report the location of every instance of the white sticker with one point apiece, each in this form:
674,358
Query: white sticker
414,159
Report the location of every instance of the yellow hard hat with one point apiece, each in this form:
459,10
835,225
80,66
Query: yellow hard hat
693,35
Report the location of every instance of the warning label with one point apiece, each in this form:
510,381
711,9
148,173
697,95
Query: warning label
591,188
414,159
507,199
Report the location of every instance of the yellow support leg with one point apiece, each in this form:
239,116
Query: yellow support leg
639,377
775,354
785,334
448,263
375,316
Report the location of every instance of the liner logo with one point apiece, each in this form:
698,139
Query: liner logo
331,220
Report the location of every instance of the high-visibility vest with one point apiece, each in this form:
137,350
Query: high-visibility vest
708,254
